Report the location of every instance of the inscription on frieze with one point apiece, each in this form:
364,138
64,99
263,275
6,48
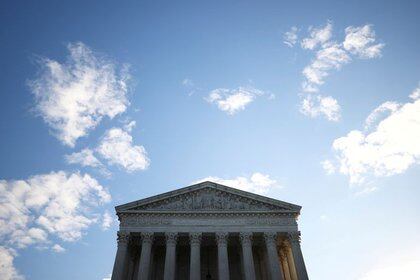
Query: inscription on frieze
138,221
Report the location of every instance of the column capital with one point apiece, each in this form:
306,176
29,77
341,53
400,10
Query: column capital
294,237
195,238
171,238
147,237
222,238
123,237
270,237
246,238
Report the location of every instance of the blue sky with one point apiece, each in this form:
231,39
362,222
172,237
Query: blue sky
314,103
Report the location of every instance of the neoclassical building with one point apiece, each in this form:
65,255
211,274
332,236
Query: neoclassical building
208,231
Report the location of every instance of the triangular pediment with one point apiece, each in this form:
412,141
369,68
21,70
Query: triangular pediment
208,196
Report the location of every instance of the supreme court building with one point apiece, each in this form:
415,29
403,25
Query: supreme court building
208,231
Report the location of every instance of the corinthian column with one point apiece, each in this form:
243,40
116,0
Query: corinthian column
170,258
290,261
273,258
195,242
222,255
146,249
294,239
118,273
248,260
285,265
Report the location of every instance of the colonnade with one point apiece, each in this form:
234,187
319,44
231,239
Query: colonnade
284,264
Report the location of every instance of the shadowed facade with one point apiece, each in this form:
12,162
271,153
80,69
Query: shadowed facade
208,231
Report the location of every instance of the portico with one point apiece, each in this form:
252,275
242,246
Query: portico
208,231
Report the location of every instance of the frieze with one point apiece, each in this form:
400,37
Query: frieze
139,221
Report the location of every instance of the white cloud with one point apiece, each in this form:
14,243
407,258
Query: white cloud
117,148
317,36
389,148
321,105
407,270
107,220
327,58
257,183
360,41
107,278
290,37
232,101
85,158
74,96
7,268
58,204
58,249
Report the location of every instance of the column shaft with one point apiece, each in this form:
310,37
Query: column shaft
170,258
222,255
144,262
301,272
276,272
248,260
195,268
118,273
291,263
285,265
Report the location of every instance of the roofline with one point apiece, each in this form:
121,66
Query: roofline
204,184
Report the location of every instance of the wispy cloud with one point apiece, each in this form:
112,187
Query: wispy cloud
317,36
387,148
290,37
72,97
330,55
257,182
85,158
233,101
190,86
187,82
328,166
314,106
361,41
